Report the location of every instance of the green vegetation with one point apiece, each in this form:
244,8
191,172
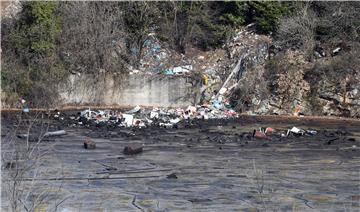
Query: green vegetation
36,31
266,15
30,63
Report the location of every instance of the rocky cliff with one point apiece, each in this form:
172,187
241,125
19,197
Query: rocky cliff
289,83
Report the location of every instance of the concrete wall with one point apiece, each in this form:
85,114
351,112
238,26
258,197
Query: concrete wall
131,90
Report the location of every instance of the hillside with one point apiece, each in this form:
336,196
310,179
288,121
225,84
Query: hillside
293,57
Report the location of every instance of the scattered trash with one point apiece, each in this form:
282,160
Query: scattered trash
269,130
26,110
297,111
296,131
166,125
311,132
88,114
134,110
154,114
191,109
128,119
264,133
230,112
205,79
259,134
222,91
163,117
55,133
138,123
133,149
217,104
57,115
182,69
88,144
336,51
168,72
175,121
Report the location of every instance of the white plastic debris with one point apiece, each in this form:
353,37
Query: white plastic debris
128,119
154,114
175,121
57,115
84,112
295,130
89,114
55,133
337,50
134,110
182,69
222,91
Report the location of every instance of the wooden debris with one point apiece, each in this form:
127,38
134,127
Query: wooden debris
133,149
88,144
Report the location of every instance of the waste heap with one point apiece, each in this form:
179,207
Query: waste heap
162,117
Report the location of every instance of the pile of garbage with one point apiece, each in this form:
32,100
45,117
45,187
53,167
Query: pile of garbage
157,58
163,117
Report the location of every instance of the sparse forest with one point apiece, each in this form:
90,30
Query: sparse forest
50,40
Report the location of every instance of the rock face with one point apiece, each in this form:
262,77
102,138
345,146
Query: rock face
294,85
338,94
271,81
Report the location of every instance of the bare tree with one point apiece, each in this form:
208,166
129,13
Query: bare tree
338,21
299,30
328,24
183,23
91,36
22,158
140,20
